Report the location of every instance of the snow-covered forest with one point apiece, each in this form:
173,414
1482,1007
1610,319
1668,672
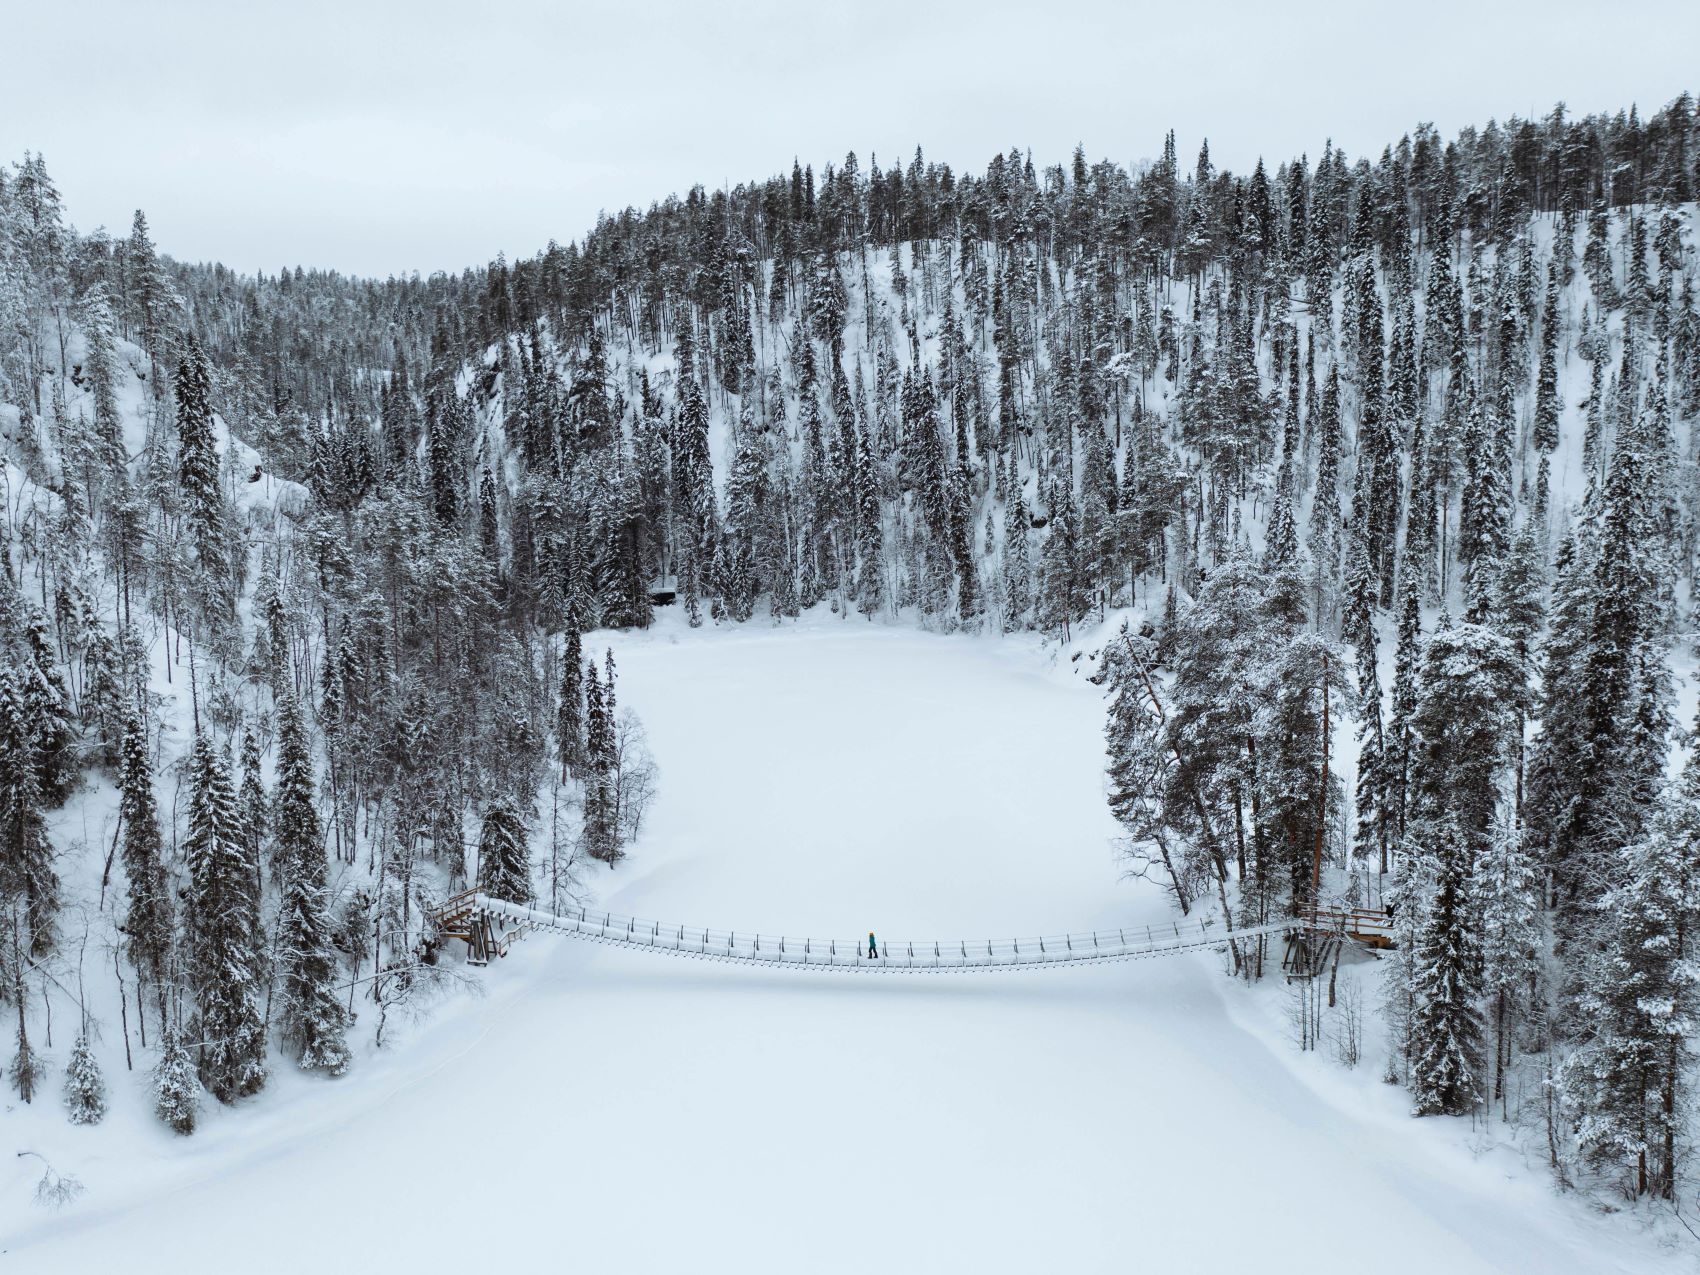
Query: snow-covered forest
1366,488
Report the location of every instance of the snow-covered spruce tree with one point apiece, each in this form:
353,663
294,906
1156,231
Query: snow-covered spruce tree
47,706
1017,566
1518,613
1407,655
970,599
26,854
104,693
177,1092
153,302
601,836
504,854
252,806
1544,433
1640,999
1378,446
147,917
1324,536
1139,761
1507,893
1251,775
1470,689
85,1088
221,933
1218,654
1064,590
445,438
1594,766
1406,900
1281,541
489,529
1484,515
1357,628
100,366
746,499
197,467
312,1019
1298,796
693,472
1446,1031
271,611
569,722
870,530
1555,756
1463,743
1152,485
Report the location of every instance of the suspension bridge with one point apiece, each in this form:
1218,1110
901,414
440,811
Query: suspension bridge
488,926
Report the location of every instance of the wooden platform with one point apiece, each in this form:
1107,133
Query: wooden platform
1369,926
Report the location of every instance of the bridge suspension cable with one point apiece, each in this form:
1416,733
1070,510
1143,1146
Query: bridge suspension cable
489,924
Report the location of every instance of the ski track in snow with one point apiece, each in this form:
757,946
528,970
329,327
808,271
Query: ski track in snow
601,1109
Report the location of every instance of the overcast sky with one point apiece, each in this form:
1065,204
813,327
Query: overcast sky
386,137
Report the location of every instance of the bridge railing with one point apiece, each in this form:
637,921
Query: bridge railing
784,949
457,906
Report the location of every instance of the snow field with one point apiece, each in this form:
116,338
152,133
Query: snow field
609,1109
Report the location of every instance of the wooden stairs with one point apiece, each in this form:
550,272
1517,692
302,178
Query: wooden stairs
1314,945
461,917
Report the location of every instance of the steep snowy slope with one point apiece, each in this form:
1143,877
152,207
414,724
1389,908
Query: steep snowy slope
603,1109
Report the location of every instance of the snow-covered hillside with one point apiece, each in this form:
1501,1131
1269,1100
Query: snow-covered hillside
603,1109
327,599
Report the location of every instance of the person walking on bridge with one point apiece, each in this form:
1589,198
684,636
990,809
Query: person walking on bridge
873,947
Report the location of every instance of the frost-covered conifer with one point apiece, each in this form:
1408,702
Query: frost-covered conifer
85,1088
1597,758
177,1092
221,924
504,856
1281,546
1544,434
147,918
1357,625
1324,535
272,613
48,708
1406,656
26,853
1064,587
1641,999
1446,1030
601,834
1507,893
1140,761
1464,727
197,461
870,529
311,1017
1017,565
100,331
252,806
569,723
